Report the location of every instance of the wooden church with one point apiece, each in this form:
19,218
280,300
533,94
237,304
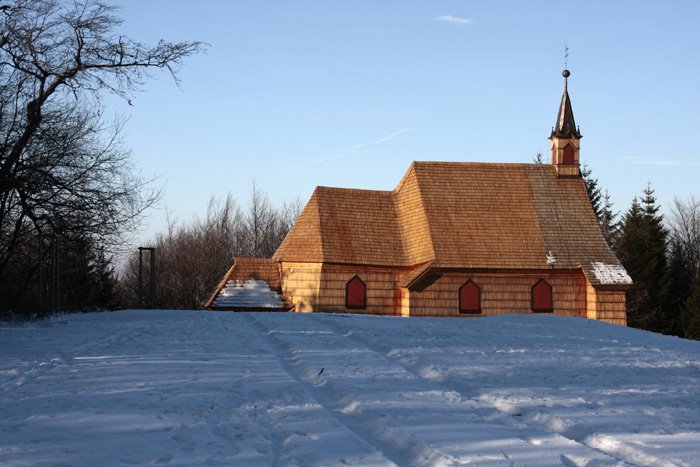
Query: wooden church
452,239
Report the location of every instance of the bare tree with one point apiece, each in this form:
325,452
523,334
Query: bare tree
684,223
262,223
62,169
193,257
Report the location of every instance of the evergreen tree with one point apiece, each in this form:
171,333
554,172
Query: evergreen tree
691,313
594,191
88,281
679,282
608,220
538,158
642,250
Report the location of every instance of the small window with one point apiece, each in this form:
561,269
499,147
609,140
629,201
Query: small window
355,294
470,298
568,154
542,297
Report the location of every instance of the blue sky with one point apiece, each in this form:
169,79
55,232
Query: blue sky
295,94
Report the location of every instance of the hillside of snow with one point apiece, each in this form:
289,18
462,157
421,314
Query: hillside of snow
249,389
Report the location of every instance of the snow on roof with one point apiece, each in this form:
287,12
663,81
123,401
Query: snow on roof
609,274
252,293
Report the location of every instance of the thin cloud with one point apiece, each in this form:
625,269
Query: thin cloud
393,135
355,148
454,20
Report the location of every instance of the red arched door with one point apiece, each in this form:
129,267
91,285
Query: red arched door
469,298
355,294
542,297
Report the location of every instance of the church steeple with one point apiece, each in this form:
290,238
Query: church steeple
566,137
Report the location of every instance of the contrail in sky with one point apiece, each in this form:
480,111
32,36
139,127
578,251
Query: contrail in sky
355,148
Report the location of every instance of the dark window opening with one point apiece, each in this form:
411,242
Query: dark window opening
569,154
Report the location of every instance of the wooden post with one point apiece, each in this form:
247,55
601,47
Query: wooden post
152,287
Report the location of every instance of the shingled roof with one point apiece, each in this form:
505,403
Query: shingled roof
458,215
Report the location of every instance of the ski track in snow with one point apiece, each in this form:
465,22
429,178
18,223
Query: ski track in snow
530,421
374,433
532,433
278,389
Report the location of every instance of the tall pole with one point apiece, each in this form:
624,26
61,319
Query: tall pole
41,274
152,287
153,278
49,262
140,302
54,274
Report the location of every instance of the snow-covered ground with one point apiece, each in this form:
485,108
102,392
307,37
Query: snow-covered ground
214,388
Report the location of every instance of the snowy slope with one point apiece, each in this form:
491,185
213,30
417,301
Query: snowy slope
196,388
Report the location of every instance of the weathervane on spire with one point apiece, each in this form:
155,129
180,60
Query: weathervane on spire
566,71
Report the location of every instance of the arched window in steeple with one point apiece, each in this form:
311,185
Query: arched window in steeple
569,155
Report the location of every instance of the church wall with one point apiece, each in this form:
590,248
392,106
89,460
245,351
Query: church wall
383,295
501,294
607,305
300,284
321,288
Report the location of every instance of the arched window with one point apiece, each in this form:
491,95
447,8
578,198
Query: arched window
568,154
542,297
470,298
355,294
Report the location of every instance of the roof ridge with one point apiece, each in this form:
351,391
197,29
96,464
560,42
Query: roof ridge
320,224
413,171
336,188
402,182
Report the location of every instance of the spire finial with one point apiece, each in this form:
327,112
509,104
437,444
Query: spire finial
566,73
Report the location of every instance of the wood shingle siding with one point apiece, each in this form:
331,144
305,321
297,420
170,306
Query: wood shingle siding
502,293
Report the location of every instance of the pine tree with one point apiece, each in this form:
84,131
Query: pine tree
594,191
88,281
691,313
630,243
608,222
642,250
680,281
538,158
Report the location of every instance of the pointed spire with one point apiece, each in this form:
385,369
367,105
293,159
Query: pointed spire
566,125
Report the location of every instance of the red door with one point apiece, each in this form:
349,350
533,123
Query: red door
469,298
542,297
355,294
